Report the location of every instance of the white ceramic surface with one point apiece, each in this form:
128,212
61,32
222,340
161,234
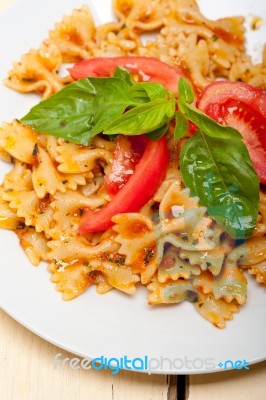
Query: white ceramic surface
115,325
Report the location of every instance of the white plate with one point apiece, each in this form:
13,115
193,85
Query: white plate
115,325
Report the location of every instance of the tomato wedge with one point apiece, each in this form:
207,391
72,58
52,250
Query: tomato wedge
127,155
142,185
243,107
148,69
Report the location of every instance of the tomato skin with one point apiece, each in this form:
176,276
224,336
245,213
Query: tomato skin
243,107
148,68
220,92
142,185
127,154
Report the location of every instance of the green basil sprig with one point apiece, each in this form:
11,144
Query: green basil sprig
144,118
83,108
214,162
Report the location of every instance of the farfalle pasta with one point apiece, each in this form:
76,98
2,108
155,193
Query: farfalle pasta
172,246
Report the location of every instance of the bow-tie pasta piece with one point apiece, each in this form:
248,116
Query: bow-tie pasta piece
19,178
36,212
230,285
211,260
215,311
142,15
71,280
76,159
171,292
19,141
37,71
74,35
71,248
259,270
67,210
34,244
172,267
8,216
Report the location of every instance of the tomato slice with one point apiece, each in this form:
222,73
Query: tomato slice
142,185
243,107
127,155
148,69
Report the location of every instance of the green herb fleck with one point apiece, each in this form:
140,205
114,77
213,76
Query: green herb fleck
86,264
35,150
119,259
20,225
149,255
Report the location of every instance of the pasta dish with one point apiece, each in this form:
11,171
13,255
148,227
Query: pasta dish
145,162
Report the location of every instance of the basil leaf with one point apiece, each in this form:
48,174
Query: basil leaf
66,114
112,100
158,133
81,109
137,93
123,74
185,91
113,97
153,90
181,126
207,124
143,119
219,171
